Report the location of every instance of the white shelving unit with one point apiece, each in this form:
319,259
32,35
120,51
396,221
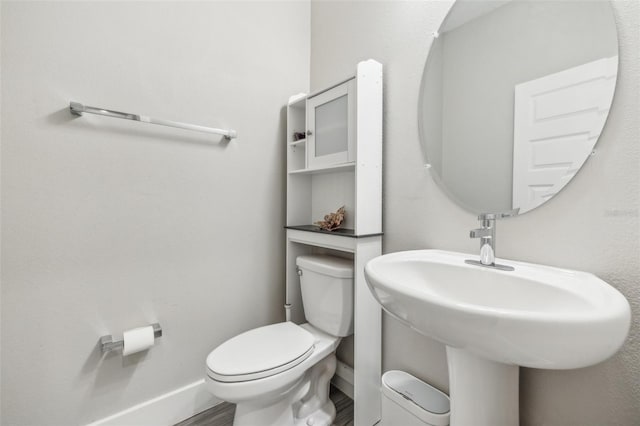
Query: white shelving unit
349,175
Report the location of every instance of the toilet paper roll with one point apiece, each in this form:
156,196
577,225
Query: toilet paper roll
137,339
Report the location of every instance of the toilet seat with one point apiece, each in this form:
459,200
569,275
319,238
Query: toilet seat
260,353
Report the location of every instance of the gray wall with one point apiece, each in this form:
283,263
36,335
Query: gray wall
593,225
107,224
535,39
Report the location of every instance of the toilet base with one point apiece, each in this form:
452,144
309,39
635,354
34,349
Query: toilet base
305,403
276,412
323,416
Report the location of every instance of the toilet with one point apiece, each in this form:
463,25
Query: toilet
279,374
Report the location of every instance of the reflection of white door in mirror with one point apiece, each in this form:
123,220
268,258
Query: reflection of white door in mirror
557,121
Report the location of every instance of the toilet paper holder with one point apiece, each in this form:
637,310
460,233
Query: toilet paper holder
107,344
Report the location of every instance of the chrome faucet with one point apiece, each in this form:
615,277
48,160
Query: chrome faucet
487,236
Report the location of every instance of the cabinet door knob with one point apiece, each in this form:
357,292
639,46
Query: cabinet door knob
309,132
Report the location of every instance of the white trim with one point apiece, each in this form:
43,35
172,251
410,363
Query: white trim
167,409
367,339
322,240
369,148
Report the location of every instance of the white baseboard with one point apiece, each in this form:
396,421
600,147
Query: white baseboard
182,403
343,379
165,410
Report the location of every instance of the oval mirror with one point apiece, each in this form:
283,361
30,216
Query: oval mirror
514,96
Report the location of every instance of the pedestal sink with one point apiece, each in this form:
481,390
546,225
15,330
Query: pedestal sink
494,321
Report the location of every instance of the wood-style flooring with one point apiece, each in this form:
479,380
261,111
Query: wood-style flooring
222,414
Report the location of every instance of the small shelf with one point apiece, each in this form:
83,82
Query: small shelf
329,169
350,233
298,142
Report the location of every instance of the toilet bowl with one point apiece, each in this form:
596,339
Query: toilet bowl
279,374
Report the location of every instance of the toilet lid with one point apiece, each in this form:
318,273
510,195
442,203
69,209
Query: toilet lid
260,353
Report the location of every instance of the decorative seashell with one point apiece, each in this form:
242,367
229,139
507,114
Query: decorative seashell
332,221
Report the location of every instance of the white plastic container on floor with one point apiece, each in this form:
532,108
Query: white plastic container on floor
408,401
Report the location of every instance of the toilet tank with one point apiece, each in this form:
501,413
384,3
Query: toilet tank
327,292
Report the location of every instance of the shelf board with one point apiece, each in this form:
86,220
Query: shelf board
350,233
298,142
329,169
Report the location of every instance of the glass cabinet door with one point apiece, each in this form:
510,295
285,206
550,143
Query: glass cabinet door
330,127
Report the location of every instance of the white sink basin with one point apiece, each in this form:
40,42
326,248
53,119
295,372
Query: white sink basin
493,321
535,316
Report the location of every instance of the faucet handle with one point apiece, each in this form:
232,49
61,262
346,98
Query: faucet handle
501,215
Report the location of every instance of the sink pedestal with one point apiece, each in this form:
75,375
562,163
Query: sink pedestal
482,392
523,317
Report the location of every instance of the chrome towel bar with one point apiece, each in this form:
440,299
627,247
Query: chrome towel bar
76,108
